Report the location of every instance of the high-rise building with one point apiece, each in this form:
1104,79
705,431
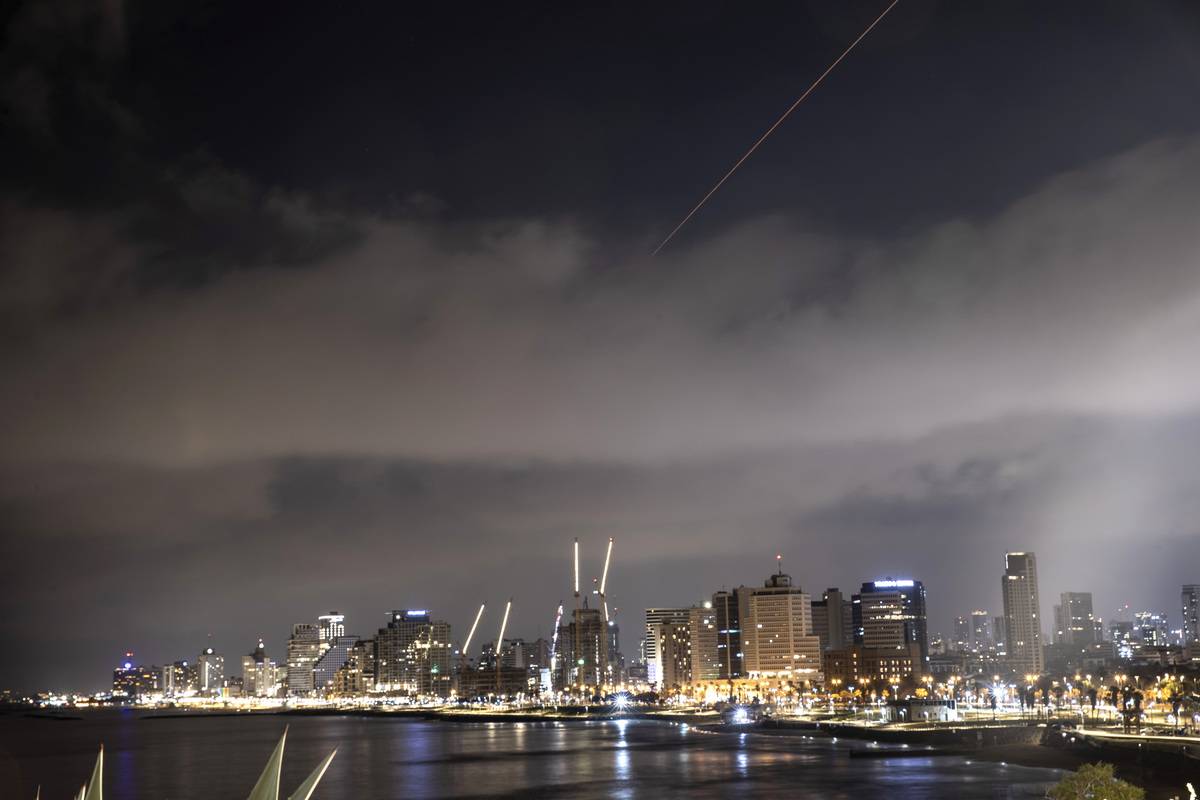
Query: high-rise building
357,675
258,673
674,649
730,607
1000,635
413,655
134,681
702,634
1190,600
303,650
655,619
833,620
982,638
1022,613
777,640
1150,629
890,614
179,679
962,634
210,668
337,651
1075,623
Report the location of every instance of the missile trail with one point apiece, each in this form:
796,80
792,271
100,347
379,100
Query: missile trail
771,129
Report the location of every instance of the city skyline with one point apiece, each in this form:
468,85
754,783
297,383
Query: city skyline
882,599
364,315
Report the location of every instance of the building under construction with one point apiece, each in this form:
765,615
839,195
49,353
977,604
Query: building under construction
586,651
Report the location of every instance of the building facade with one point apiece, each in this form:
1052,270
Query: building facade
1189,599
1022,613
303,650
833,620
778,641
655,619
413,655
889,614
702,631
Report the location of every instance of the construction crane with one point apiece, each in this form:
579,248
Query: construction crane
604,578
471,635
500,644
554,641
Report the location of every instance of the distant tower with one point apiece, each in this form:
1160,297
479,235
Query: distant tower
1022,613
1190,600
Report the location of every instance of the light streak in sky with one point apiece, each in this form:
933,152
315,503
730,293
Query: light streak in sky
771,129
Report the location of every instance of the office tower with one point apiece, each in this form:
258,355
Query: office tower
1190,600
1000,635
337,651
357,675
179,679
616,661
1150,629
134,681
655,618
331,626
1022,613
303,650
890,614
730,607
210,668
674,654
258,673
413,655
833,620
981,631
702,633
1076,622
777,639
962,634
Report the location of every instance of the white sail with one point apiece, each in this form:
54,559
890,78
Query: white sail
310,783
95,787
267,787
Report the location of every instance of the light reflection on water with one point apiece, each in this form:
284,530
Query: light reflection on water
382,758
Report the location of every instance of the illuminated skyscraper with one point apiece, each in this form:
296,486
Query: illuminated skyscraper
258,673
1022,613
890,614
1075,622
413,655
1190,600
778,639
655,619
303,650
982,638
210,668
702,635
337,651
729,608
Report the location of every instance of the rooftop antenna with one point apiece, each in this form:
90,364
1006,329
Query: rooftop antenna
779,563
604,578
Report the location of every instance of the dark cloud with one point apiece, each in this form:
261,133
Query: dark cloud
297,326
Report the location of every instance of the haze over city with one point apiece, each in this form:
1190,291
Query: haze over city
357,311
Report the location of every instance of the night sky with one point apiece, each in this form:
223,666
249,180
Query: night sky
312,306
